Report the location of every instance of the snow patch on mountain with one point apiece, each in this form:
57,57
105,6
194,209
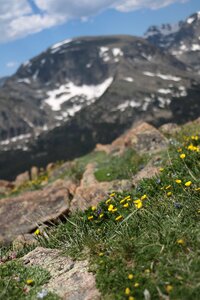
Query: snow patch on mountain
128,103
15,139
163,102
195,47
164,91
103,53
190,20
69,90
57,46
129,79
24,80
117,52
164,29
162,76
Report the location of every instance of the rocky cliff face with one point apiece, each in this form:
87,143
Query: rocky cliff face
86,91
181,40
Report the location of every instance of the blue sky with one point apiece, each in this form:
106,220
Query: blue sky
28,27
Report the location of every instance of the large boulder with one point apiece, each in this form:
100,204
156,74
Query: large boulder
142,137
5,187
22,214
91,192
22,179
70,279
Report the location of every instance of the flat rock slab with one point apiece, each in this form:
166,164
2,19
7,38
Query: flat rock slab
69,279
87,196
22,214
141,137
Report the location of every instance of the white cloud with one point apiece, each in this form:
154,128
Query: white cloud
17,18
11,64
130,5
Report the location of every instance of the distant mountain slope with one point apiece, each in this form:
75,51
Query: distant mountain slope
181,40
2,80
77,93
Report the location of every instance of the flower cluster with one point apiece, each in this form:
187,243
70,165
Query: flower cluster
116,207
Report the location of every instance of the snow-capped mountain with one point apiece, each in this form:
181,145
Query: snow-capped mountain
181,40
85,91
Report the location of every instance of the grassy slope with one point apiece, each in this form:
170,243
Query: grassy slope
143,241
156,239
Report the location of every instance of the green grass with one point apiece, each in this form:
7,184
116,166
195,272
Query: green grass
145,240
119,167
18,282
156,238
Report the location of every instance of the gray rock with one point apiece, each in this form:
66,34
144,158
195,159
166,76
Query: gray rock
70,279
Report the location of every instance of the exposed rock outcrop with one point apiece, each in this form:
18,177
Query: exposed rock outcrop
70,279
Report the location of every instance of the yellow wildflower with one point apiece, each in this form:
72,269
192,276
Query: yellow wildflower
37,232
110,207
182,156
168,187
108,201
112,195
197,189
118,218
114,209
126,205
136,285
127,291
101,254
93,208
161,169
90,218
195,137
191,147
169,194
138,203
101,216
130,276
179,150
122,201
178,181
188,183
29,281
131,298
181,242
144,197
169,288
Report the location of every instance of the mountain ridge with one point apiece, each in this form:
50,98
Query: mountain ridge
80,92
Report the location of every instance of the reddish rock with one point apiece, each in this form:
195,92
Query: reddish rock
147,172
88,177
70,279
23,240
34,173
5,187
141,137
50,167
93,194
22,214
103,148
170,128
22,179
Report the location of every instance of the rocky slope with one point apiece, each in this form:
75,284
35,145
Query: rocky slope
101,251
181,40
29,201
89,90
